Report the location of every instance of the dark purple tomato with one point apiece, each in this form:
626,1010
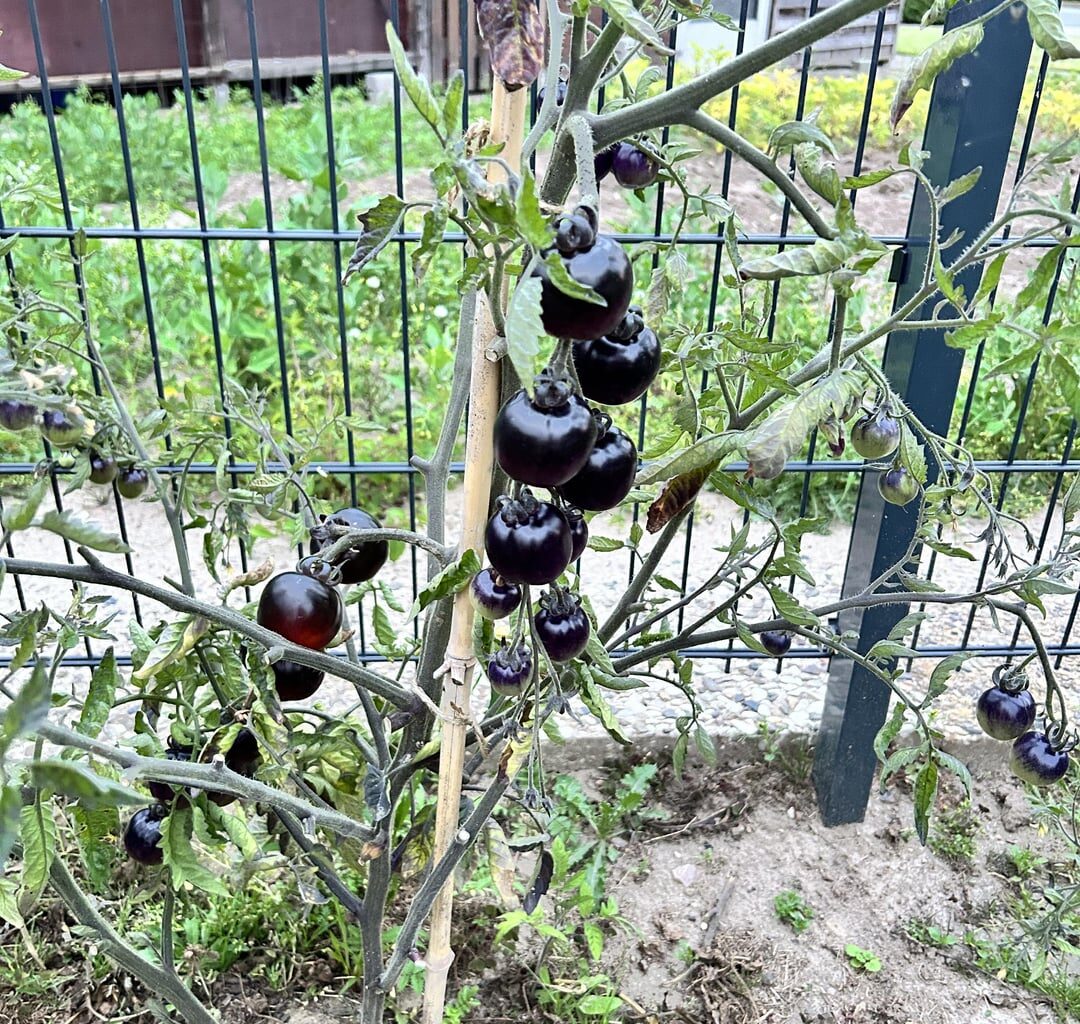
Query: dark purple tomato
1005,715
605,268
602,163
619,367
319,569
633,167
243,758
528,541
62,428
295,682
303,610
16,415
898,486
876,436
361,562
544,440
163,792
574,234
509,669
103,468
579,531
492,596
1034,760
561,625
560,94
608,475
142,837
776,641
132,481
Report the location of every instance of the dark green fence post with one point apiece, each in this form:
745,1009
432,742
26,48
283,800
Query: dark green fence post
970,124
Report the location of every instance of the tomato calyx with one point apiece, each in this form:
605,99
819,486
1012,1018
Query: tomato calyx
517,511
1010,679
1059,738
557,600
629,327
319,569
551,390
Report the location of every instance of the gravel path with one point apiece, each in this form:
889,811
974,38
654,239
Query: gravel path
734,700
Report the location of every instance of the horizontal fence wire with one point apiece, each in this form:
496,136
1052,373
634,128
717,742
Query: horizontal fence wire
351,469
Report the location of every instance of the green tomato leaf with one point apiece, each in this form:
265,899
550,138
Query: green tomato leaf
600,709
939,678
28,711
20,516
633,23
180,858
1047,29
453,578
415,86
788,607
820,174
100,697
452,103
530,219
889,731
898,759
929,64
926,783
912,456
37,830
431,236
957,767
793,134
959,186
561,279
95,831
713,448
524,329
79,531
10,811
378,224
78,782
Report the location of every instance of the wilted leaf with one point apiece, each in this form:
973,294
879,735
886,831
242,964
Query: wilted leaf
889,731
710,449
545,868
784,432
416,87
99,698
79,531
79,783
376,793
676,495
791,134
514,36
500,863
28,711
820,174
930,63
1047,29
20,516
823,257
180,858
378,224
524,329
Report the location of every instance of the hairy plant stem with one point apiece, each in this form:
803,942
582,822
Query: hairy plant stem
348,538
160,982
100,575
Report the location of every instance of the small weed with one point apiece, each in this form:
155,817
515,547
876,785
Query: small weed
922,931
1024,863
793,910
953,834
794,756
862,959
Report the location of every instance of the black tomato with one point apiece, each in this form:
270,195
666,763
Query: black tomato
509,669
633,167
619,367
16,415
132,481
492,596
163,792
898,486
103,468
295,682
579,531
776,641
1033,759
602,162
243,758
142,836
302,609
876,436
605,268
365,560
561,625
528,541
560,94
544,440
608,475
62,428
1004,714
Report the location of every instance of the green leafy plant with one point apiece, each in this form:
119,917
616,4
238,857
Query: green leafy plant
862,959
793,910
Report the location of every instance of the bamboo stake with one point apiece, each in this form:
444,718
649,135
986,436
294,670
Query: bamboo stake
507,126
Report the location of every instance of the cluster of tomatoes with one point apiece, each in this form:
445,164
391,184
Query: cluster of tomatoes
142,836
1006,711
554,439
877,436
66,429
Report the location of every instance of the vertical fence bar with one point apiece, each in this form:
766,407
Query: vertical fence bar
959,137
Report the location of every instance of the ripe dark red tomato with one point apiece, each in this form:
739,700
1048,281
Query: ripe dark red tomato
579,531
561,625
163,792
142,837
633,167
546,439
243,758
1004,714
16,415
608,475
898,486
132,481
295,682
62,428
528,541
619,367
366,559
776,641
876,436
1033,759
302,609
605,268
103,468
509,669
492,596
